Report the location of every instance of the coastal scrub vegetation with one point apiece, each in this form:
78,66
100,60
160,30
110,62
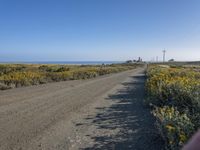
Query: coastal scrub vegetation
18,75
174,94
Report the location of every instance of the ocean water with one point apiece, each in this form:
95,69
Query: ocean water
66,62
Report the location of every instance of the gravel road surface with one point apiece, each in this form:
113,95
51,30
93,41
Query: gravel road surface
102,113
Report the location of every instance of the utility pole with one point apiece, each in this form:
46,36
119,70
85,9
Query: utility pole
164,51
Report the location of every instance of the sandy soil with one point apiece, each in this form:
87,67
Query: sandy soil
102,113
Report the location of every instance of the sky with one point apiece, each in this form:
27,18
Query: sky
97,30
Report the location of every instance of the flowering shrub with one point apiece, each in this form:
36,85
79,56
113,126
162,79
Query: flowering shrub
175,127
59,76
17,75
17,79
175,93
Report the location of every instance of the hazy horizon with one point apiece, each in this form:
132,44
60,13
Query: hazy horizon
106,30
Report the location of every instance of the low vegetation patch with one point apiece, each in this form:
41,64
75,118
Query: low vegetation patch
174,93
17,75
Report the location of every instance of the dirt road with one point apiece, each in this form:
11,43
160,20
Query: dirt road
101,113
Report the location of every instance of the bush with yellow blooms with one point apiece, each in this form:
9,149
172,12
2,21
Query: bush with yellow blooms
174,94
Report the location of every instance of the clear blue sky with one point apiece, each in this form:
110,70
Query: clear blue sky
53,30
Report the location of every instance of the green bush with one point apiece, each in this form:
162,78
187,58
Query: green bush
176,90
84,75
175,128
59,76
